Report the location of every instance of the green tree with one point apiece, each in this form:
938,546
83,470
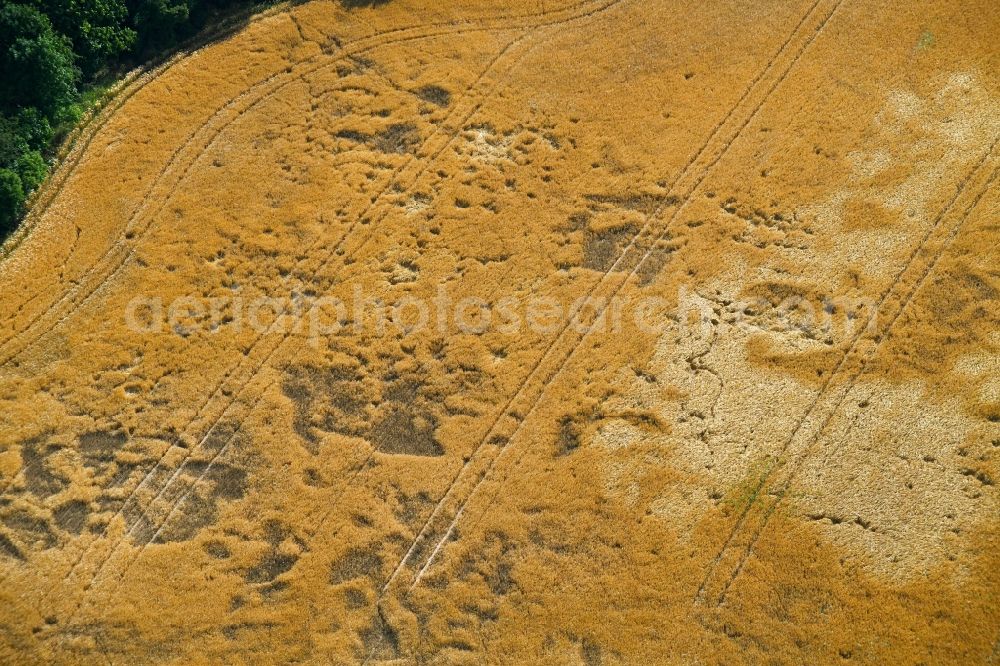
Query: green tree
160,23
98,29
12,143
34,128
11,200
36,64
31,169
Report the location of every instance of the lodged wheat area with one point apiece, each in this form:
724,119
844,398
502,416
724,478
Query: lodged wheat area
601,332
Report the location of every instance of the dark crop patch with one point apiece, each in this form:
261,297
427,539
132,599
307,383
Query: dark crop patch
38,478
397,138
356,563
433,94
405,432
270,567
72,516
602,249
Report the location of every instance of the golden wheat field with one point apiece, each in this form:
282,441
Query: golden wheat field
557,332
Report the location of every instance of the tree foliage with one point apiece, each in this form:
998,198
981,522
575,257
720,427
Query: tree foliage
11,200
36,64
99,30
160,22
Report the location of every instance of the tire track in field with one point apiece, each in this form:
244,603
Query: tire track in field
600,7
369,43
365,463
117,255
441,523
130,528
592,7
750,524
371,456
337,249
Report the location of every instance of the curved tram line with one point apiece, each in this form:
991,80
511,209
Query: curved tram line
551,18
